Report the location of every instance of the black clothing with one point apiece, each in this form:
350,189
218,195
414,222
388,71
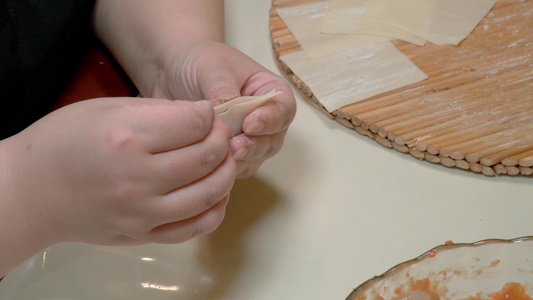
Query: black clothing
35,36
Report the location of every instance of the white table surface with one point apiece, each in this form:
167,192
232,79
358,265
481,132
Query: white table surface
330,211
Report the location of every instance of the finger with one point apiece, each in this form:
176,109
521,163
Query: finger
197,197
251,152
246,169
247,148
167,125
185,230
227,76
277,114
183,166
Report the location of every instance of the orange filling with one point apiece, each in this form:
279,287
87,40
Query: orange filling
418,290
423,290
510,291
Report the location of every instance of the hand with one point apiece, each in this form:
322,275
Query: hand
123,171
213,70
175,50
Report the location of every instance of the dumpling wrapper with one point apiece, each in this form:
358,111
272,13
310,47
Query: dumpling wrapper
356,74
344,17
305,22
442,22
235,111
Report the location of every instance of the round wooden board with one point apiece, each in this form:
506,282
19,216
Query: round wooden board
474,112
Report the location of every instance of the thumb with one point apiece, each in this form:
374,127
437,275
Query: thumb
220,84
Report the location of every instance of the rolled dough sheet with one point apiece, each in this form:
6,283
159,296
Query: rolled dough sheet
344,17
305,21
355,74
441,22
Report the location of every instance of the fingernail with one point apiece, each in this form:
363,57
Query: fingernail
255,128
240,154
226,97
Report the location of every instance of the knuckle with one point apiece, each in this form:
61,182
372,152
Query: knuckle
121,138
131,228
200,122
198,230
287,113
216,149
211,198
272,150
211,159
210,224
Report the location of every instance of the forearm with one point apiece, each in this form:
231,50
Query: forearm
143,34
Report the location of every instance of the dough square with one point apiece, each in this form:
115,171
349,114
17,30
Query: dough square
355,74
344,17
305,21
442,22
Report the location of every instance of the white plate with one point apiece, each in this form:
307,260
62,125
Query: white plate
458,271
81,271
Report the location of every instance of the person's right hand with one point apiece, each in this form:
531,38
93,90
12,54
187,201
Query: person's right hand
123,171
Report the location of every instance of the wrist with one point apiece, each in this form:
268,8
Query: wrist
18,227
142,35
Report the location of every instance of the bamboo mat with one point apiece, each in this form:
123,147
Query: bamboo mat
474,112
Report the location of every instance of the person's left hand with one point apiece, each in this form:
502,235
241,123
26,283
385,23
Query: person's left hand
213,70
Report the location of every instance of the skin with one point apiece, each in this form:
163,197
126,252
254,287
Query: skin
129,171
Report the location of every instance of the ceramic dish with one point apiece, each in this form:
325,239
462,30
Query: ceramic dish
73,271
457,271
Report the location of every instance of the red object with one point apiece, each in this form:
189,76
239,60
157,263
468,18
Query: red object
96,75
